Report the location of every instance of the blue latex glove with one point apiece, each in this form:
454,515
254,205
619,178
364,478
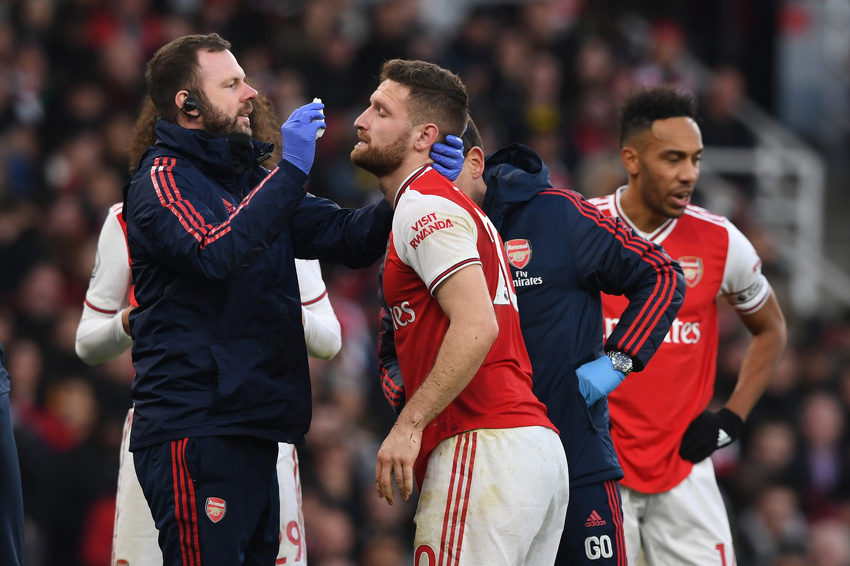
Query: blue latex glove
597,379
298,135
448,157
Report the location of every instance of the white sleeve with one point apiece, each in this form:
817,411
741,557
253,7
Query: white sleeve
434,236
321,327
744,287
100,334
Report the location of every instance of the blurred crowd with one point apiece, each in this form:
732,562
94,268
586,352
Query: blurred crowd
547,74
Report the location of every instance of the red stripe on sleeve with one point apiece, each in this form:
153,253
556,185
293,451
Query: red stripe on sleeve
192,221
439,279
104,311
316,300
662,295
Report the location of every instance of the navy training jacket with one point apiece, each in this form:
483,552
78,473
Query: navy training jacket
563,252
218,343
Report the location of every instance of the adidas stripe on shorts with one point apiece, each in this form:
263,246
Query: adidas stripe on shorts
593,533
493,496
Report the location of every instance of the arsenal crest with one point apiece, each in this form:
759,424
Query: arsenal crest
692,268
216,508
518,252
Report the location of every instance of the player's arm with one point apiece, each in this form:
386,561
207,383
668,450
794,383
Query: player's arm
465,299
168,206
749,292
767,326
180,231
101,333
612,259
392,384
321,326
320,229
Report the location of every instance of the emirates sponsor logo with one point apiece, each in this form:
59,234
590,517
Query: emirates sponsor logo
216,508
595,520
681,332
402,314
518,252
692,268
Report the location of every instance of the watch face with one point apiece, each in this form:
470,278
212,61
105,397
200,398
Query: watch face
621,362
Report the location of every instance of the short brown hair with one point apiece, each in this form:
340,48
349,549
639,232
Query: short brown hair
436,94
175,67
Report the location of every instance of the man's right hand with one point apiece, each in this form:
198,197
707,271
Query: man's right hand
298,135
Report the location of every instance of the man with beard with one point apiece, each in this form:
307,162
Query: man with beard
471,426
218,342
660,423
103,334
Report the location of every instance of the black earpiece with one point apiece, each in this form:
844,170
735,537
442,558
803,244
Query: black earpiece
191,103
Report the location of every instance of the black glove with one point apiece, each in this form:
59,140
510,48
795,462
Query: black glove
708,432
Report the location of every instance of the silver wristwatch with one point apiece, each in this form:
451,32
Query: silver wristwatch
621,362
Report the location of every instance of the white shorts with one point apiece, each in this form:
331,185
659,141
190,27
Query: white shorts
134,539
493,496
685,526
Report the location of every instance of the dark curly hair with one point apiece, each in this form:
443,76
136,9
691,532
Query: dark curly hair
644,106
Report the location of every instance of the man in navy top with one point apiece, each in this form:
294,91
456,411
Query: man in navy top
218,342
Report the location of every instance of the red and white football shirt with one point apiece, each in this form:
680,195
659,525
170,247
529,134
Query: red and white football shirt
650,410
438,230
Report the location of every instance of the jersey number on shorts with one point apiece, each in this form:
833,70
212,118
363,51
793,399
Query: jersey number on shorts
598,547
293,533
428,553
505,294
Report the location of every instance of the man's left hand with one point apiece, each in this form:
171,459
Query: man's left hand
708,432
396,458
448,157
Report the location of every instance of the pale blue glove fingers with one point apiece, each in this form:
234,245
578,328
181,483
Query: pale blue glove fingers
597,379
588,392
